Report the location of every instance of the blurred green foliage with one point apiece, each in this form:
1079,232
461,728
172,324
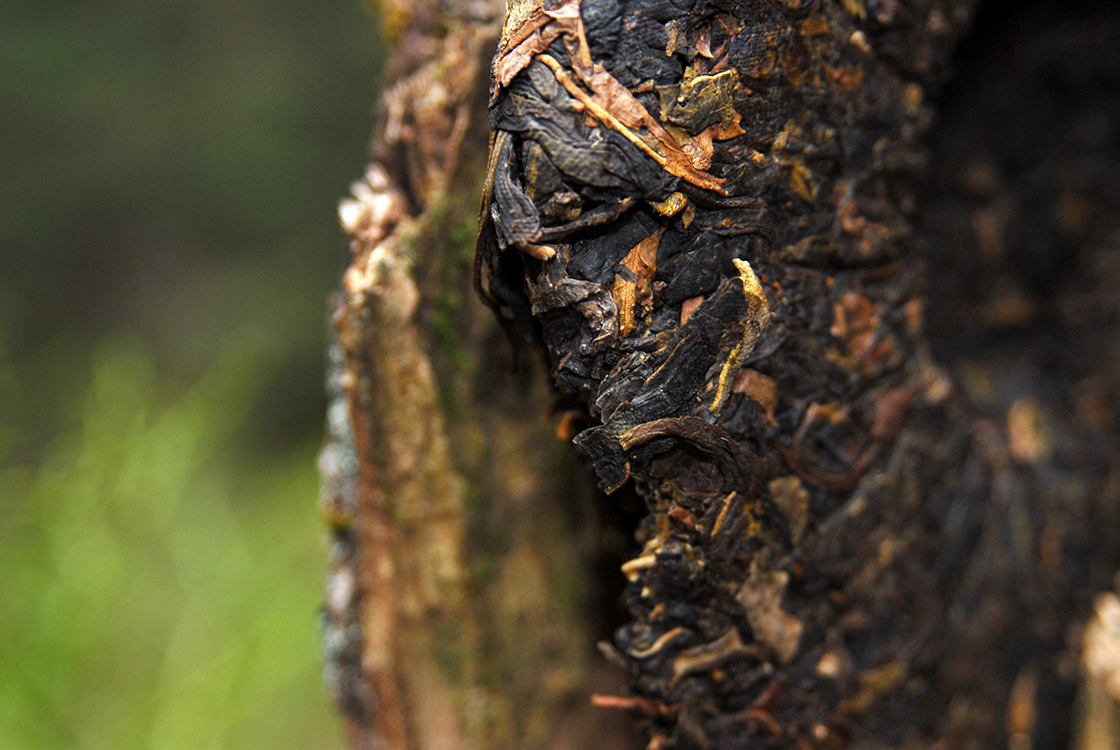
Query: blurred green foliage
158,592
168,186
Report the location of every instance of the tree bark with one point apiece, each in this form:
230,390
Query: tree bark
713,219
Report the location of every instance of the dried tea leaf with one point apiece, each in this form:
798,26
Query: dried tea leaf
761,598
710,655
760,388
702,101
792,500
530,39
633,291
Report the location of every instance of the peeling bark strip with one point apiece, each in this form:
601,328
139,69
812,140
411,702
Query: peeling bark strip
704,211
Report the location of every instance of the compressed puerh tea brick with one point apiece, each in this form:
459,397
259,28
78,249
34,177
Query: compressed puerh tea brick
704,213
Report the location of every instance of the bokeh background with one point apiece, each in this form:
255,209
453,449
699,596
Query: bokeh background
168,182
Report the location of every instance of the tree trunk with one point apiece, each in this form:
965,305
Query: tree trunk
713,220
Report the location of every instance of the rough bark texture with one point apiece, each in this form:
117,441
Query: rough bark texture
879,509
